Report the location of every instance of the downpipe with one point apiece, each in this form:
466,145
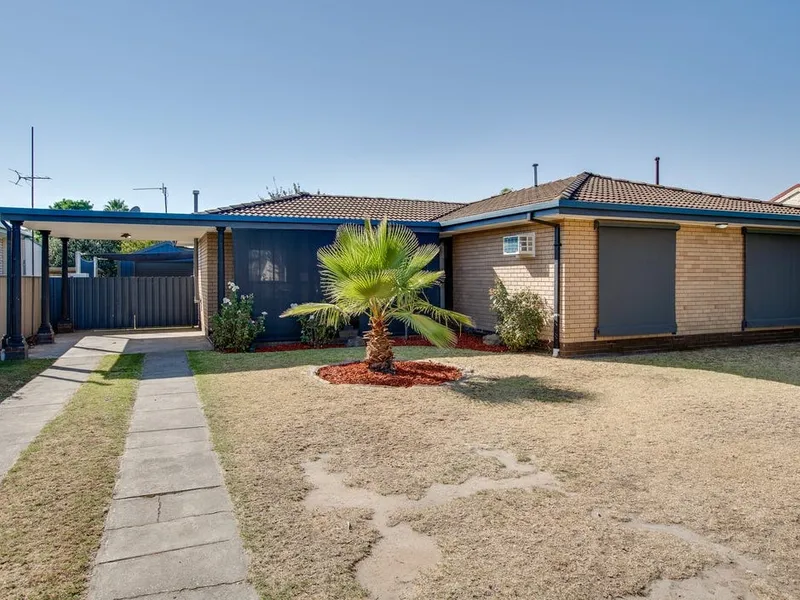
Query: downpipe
556,284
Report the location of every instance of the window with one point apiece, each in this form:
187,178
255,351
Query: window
515,245
267,265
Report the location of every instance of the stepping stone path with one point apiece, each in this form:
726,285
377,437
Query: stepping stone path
170,533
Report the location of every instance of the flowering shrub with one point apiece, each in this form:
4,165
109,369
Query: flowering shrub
315,332
234,329
521,316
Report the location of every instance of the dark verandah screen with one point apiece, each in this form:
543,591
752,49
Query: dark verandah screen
636,286
279,267
772,276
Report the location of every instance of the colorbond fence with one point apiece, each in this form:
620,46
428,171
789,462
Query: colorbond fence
108,302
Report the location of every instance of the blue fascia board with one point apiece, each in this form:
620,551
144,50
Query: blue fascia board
517,210
505,220
606,209
179,219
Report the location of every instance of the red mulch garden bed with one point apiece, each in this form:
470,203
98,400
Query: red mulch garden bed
465,342
407,373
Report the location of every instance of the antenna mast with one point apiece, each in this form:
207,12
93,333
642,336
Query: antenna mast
162,189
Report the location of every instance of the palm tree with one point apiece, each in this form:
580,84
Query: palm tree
116,205
380,271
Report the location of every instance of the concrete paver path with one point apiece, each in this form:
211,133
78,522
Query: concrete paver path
29,409
170,533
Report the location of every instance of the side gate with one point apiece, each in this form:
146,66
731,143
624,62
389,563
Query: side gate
126,302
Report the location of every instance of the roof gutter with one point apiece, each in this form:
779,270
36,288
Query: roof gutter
556,283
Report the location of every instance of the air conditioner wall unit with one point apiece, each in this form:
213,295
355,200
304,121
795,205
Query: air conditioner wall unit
519,245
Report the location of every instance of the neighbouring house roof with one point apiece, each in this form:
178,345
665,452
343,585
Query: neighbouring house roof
589,187
342,207
790,197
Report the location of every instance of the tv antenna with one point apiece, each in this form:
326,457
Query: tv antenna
29,179
162,189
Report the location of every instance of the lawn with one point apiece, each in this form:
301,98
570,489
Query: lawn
534,478
55,497
16,373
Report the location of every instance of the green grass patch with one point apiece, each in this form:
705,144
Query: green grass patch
16,373
53,501
207,363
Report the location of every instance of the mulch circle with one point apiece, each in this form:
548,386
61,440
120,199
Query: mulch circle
407,373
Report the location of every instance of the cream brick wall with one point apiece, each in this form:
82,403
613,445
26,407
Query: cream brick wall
478,259
207,273
708,280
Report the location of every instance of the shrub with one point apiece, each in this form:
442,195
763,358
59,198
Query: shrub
233,328
315,332
521,316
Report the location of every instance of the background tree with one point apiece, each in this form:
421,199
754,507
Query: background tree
116,205
90,248
69,204
380,271
506,190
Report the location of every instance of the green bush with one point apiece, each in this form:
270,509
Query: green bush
315,331
521,316
233,328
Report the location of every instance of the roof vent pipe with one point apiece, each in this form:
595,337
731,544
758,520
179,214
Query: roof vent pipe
658,170
196,194
535,174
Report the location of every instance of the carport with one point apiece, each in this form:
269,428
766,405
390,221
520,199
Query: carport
62,225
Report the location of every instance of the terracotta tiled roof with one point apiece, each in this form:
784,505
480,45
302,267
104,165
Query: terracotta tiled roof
343,207
523,197
589,187
597,188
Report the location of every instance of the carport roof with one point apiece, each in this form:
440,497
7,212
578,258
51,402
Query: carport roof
180,228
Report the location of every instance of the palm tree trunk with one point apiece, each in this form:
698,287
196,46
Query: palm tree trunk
379,357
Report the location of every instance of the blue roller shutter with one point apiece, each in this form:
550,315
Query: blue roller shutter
772,279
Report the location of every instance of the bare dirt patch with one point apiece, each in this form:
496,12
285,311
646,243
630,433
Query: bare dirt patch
714,454
407,373
401,553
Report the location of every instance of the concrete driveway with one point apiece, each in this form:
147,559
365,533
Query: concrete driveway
122,341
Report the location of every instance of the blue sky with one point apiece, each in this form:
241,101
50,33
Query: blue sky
439,99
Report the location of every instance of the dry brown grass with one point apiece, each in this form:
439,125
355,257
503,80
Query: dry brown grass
53,501
714,452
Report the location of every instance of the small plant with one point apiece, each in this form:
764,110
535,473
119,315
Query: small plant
521,316
315,332
233,328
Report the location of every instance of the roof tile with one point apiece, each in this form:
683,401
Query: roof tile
343,207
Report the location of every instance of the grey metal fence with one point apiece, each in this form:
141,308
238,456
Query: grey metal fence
127,302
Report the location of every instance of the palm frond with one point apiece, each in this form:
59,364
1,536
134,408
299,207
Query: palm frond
436,333
331,314
442,315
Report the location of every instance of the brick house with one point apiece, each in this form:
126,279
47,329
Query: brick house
641,266
624,265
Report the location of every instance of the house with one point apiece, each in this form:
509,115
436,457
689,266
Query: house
790,197
31,254
641,266
625,265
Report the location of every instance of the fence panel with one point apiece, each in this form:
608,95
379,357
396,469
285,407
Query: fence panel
126,302
31,305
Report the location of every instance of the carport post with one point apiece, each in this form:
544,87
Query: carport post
221,283
16,348
45,333
65,321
